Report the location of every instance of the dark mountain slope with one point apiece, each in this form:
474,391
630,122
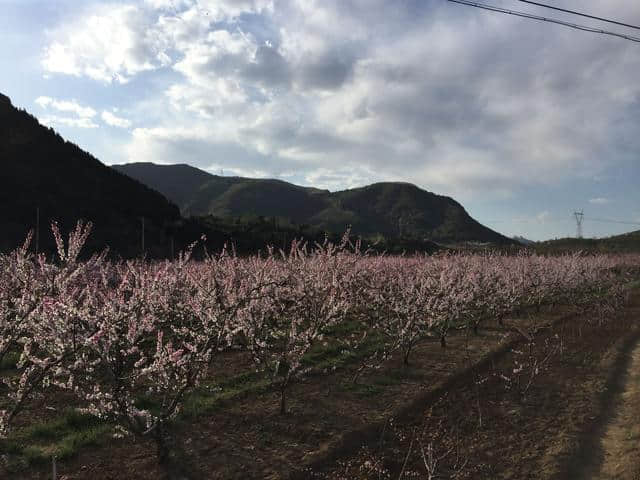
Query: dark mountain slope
624,243
401,209
42,170
199,193
390,210
176,182
268,198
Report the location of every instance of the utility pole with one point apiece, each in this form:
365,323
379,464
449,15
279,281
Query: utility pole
579,216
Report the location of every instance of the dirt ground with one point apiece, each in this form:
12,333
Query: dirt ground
620,444
505,404
577,419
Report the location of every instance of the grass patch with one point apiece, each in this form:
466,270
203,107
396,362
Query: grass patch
62,437
362,389
71,444
385,380
378,384
345,328
211,395
9,361
634,284
69,422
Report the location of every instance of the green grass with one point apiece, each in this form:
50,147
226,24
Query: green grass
9,361
634,284
210,396
62,437
66,435
362,389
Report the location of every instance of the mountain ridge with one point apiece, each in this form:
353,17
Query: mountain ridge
628,242
382,209
47,176
51,178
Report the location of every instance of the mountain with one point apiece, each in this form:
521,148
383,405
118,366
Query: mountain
197,192
524,241
624,243
41,171
387,210
177,182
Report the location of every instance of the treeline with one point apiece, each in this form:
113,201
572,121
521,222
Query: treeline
163,240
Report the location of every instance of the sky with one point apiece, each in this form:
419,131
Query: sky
522,122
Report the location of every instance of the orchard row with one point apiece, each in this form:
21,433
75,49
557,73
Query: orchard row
118,335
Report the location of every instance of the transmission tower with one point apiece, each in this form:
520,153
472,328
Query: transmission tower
579,217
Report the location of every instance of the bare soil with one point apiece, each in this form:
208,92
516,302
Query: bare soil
621,442
560,428
454,404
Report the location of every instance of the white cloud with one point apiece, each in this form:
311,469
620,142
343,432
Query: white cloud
83,115
221,10
52,120
112,43
167,4
70,106
343,92
599,201
115,121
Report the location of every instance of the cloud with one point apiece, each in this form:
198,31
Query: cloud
115,121
171,5
599,201
455,99
83,115
113,43
70,106
51,120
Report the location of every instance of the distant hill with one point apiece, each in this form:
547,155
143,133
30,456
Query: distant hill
388,210
524,241
43,172
625,243
39,169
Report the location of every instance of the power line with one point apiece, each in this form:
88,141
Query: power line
545,19
606,220
528,220
573,12
549,220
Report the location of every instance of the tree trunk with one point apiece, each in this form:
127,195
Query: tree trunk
162,447
359,370
443,342
406,356
283,400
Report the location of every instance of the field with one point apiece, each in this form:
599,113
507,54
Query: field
319,362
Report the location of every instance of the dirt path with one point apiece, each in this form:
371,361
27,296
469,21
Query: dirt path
610,449
580,419
621,442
